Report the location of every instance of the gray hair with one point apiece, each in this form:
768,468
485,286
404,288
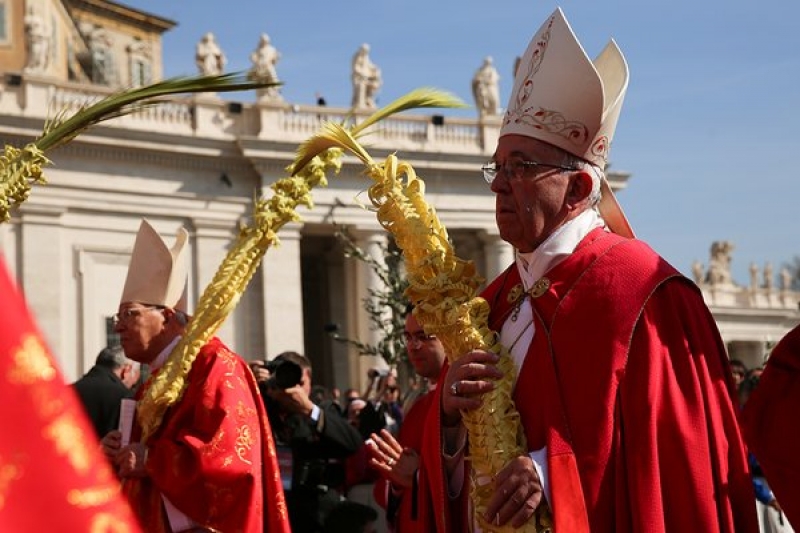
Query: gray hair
597,173
113,358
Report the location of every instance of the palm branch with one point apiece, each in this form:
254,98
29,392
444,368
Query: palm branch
22,167
336,135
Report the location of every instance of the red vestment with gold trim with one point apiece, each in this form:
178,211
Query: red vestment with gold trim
214,456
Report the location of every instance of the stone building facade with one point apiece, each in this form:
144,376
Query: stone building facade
198,162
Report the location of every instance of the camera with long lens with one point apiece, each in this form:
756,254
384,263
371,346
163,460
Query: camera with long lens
285,374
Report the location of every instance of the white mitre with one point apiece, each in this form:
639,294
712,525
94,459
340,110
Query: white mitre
563,98
157,275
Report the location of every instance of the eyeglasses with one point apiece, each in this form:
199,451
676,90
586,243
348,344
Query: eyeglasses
515,169
126,314
419,338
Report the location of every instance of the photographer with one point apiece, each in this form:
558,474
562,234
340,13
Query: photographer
320,439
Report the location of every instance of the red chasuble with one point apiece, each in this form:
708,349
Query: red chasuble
770,420
52,474
625,383
213,456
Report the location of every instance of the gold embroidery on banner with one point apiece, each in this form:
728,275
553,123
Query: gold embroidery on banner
31,363
8,474
92,497
108,523
70,441
227,461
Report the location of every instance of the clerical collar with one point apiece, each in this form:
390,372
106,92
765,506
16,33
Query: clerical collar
557,247
161,358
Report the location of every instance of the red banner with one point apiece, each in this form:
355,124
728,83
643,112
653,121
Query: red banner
53,476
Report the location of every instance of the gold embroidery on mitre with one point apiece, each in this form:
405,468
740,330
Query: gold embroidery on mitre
556,123
70,441
8,474
526,89
31,363
539,288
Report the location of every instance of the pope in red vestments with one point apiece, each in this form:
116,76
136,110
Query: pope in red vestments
622,378
770,423
210,464
404,487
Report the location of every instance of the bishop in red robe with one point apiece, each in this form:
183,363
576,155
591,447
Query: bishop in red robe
770,423
209,464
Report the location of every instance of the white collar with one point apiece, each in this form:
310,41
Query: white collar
161,358
557,247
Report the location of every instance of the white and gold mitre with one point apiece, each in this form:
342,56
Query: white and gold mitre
563,98
157,274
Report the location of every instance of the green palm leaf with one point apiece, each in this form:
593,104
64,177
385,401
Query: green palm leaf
21,168
57,132
335,135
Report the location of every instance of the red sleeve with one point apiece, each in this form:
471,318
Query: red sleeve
207,458
770,423
676,412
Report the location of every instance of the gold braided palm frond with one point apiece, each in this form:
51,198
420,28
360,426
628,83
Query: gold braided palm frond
20,168
444,290
322,154
222,294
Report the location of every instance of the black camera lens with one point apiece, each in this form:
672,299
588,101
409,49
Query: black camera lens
285,374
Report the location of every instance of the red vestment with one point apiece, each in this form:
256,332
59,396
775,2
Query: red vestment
770,423
53,476
213,456
412,508
625,383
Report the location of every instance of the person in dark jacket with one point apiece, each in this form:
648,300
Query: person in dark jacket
104,386
319,437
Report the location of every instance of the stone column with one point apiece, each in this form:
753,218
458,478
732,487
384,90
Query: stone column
41,278
212,240
499,255
372,243
283,295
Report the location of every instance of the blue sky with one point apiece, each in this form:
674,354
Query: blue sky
709,130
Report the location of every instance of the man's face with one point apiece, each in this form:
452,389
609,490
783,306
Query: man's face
530,208
141,331
426,354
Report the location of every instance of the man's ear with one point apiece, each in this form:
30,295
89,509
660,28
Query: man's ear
168,314
580,188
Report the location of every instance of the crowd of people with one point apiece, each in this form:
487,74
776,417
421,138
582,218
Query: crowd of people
623,389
